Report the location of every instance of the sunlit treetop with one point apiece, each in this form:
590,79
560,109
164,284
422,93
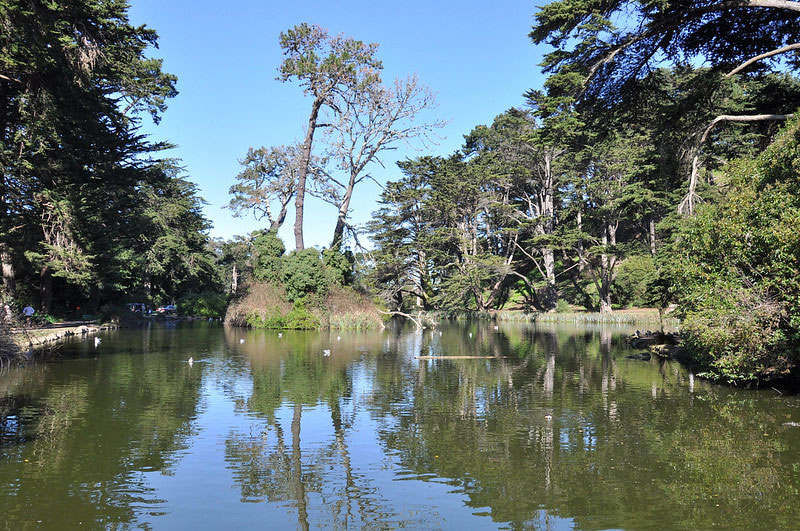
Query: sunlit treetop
602,45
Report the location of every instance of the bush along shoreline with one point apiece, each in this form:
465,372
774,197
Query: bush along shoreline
302,290
265,306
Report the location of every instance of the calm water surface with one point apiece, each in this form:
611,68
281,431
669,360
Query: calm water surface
271,433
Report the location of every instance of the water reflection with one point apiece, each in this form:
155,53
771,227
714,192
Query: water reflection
78,437
550,427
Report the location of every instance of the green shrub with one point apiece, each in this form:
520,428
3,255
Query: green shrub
734,268
301,319
633,276
269,250
270,319
735,332
563,306
338,267
303,275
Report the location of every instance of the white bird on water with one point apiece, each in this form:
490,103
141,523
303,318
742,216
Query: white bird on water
470,334
280,334
326,352
241,341
96,342
338,338
191,361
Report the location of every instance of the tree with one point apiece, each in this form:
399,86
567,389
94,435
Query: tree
73,82
174,248
270,176
611,187
374,120
524,150
399,230
735,38
328,68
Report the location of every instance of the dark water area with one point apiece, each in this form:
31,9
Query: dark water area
557,429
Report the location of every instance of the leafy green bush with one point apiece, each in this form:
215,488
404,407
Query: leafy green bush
269,250
304,275
301,319
734,268
634,274
271,319
563,306
736,333
338,266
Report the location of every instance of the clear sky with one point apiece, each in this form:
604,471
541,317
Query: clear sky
475,55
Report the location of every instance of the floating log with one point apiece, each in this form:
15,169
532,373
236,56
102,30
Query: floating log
461,357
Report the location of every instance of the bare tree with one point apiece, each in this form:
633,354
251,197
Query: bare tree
372,121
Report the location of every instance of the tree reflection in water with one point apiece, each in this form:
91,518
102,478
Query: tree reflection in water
293,375
553,427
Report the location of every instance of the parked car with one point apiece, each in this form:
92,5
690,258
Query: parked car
169,309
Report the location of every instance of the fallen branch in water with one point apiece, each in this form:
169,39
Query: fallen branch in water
416,320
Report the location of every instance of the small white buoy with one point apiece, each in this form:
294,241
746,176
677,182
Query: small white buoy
191,361
280,334
338,338
241,341
96,342
326,352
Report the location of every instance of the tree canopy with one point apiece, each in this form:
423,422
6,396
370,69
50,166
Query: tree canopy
85,201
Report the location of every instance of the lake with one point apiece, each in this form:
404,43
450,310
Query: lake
555,429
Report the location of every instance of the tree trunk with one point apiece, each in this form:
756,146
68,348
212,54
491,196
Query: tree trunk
7,264
581,263
550,295
278,222
46,289
652,236
338,232
607,268
687,205
422,284
234,280
605,284
299,199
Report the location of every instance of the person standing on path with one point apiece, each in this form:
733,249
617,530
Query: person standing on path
28,312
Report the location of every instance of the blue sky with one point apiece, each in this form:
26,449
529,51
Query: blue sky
475,55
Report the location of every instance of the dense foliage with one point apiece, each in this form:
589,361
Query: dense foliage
88,214
735,268
581,195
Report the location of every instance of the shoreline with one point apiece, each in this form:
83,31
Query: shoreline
25,341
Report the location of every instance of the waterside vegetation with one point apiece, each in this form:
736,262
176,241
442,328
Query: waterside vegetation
656,167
